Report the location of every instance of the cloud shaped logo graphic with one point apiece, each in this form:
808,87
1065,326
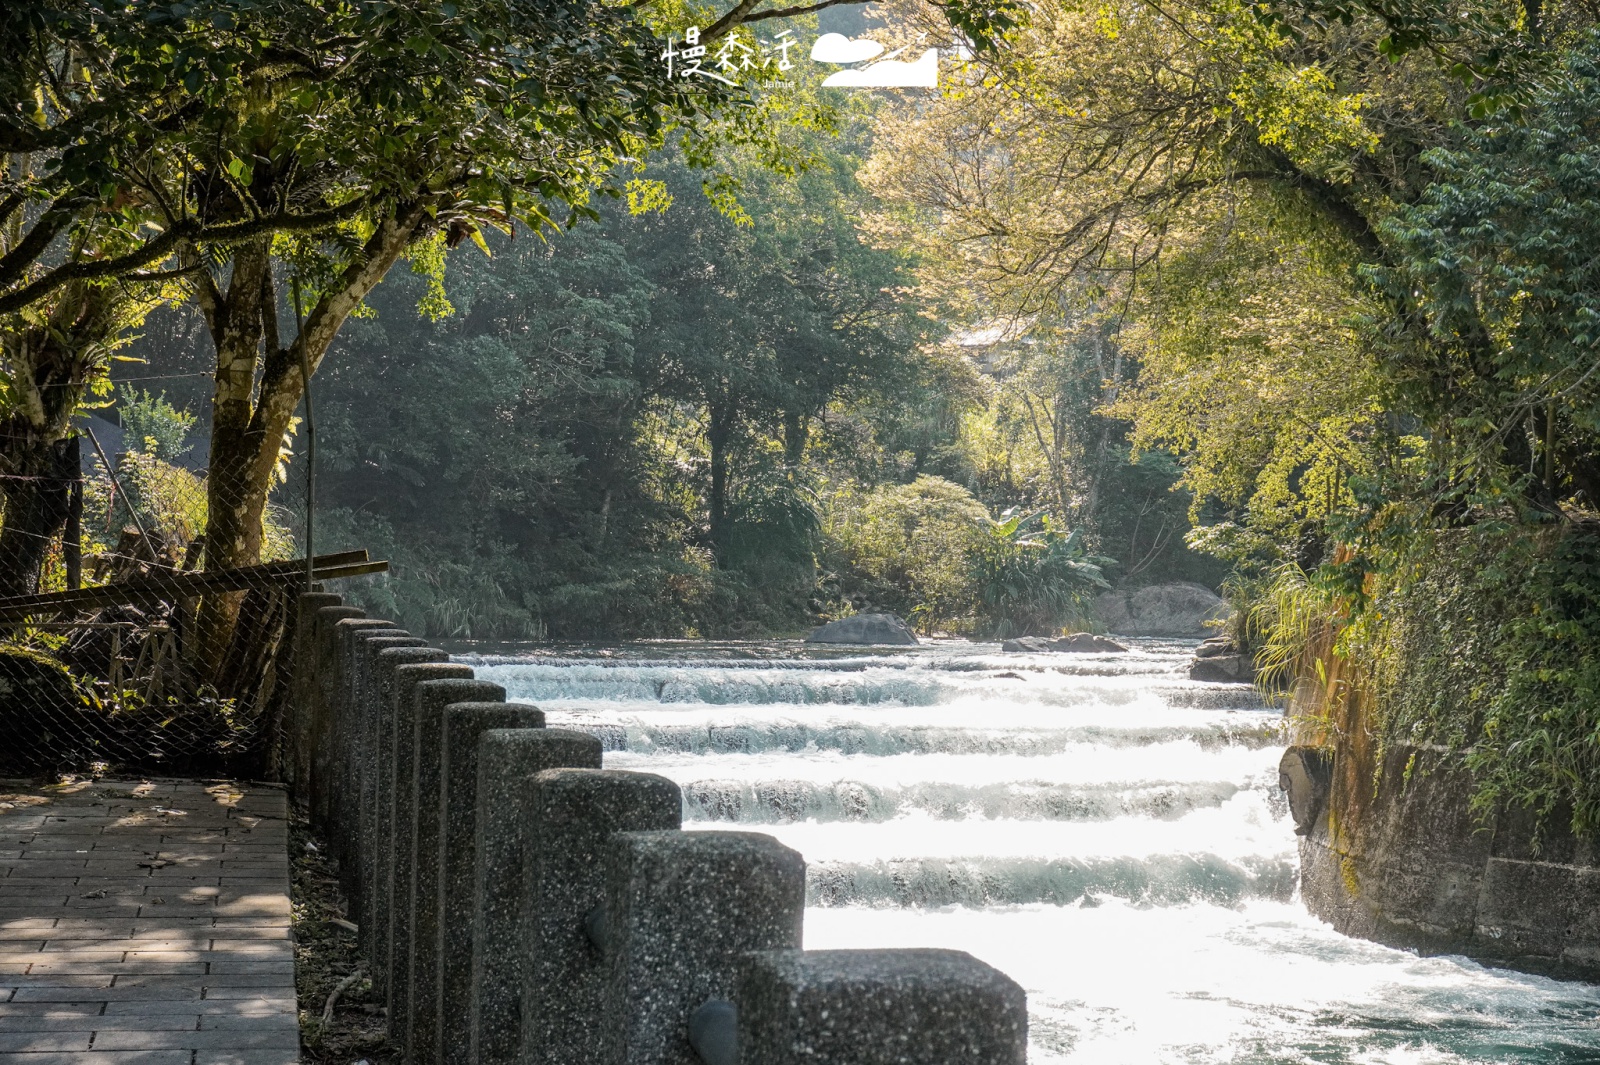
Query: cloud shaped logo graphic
890,74
837,48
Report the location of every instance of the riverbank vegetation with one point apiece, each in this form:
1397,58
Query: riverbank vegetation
1296,298
680,422
1349,248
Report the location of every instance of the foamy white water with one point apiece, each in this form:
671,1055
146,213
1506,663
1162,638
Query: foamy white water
1099,827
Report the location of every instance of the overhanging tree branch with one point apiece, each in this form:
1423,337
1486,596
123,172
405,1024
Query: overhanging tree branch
161,246
28,250
718,28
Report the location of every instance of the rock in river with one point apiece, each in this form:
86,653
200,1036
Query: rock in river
865,629
1178,609
1225,669
1078,641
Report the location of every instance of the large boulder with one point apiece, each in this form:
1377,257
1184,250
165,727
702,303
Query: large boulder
865,629
1223,669
1178,609
1081,642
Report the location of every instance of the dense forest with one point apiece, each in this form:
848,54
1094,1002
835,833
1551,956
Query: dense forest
1296,299
679,422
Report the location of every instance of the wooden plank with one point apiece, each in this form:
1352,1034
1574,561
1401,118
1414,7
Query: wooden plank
357,569
167,581
178,585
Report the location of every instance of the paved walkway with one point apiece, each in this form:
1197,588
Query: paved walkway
145,924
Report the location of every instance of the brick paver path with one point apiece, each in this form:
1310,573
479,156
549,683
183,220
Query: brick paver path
145,924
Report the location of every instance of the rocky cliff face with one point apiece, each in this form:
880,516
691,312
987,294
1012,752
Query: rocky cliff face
1407,863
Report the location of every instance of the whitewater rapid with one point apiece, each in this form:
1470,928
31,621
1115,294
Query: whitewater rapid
1101,828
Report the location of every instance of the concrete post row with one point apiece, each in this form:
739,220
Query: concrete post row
407,800
570,817
343,787
391,865
464,725
323,697
295,743
370,905
519,905
433,697
507,759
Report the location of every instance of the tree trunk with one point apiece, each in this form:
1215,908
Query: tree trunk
72,535
233,506
794,440
37,493
250,419
717,436
50,367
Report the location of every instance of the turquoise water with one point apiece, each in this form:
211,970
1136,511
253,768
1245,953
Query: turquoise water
1104,830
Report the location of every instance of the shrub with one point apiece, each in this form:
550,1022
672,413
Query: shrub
1033,583
906,548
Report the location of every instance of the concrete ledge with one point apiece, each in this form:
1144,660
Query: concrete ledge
879,1007
682,909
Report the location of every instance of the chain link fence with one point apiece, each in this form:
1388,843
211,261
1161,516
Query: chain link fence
128,654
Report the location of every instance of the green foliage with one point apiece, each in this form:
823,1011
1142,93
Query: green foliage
772,534
1034,583
1046,436
1497,294
908,546
154,425
543,462
1278,614
171,499
493,455
1487,641
1500,50
1474,586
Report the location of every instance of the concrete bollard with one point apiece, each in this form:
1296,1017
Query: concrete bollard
375,797
427,983
878,1007
464,724
406,678
294,741
325,697
381,666
682,908
507,758
573,813
343,813
356,794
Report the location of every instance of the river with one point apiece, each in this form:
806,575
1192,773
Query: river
1101,828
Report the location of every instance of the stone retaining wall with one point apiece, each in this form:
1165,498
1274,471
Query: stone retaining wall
1394,853
518,903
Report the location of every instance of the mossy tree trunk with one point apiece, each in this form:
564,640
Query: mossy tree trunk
259,383
51,363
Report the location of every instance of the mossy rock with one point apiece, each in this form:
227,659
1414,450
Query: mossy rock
42,716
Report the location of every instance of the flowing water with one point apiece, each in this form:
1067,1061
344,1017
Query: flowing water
1104,830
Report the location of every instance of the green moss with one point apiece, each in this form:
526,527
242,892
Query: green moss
27,675
1348,873
42,713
